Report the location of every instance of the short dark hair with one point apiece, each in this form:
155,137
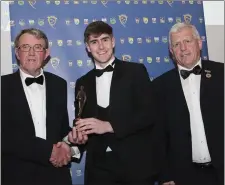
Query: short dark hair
97,28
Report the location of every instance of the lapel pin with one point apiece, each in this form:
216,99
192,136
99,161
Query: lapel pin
208,74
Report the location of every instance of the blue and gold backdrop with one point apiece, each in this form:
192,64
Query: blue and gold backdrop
140,27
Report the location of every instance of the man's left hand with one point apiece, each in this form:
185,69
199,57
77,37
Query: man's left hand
93,126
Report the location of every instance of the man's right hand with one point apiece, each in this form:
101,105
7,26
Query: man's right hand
76,137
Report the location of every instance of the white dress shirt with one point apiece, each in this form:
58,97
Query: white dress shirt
191,89
36,98
103,84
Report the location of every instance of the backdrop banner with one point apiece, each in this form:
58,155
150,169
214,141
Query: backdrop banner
141,30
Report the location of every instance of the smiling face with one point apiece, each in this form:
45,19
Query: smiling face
185,47
101,47
31,53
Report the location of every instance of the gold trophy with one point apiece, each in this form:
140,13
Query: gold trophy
81,98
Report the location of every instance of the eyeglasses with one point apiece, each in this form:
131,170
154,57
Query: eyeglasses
27,47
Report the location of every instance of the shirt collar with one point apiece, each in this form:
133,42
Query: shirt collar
184,68
24,75
109,63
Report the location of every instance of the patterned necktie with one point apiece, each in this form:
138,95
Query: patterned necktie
99,72
38,80
196,70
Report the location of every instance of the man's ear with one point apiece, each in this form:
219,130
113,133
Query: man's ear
87,46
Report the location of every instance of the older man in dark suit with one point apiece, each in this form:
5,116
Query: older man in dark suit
34,118
191,101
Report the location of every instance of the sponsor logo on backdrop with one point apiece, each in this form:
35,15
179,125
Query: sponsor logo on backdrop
127,2
76,21
135,2
156,39
52,21
66,2
94,2
79,63
89,62
170,19
60,42
70,62
57,2
123,19
149,59
31,22
144,2
131,40
55,62
112,20
200,19
160,2
50,43
72,84
187,18
12,23
145,20
166,59
69,42
41,22
178,19
141,60
162,20
122,40
104,3
154,20
164,39
32,3
22,22
137,20
68,22
126,58
78,42
20,3
139,40
104,19
86,21
118,2
148,40
157,59
48,2
170,3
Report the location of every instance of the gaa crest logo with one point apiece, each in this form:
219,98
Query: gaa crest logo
52,21
126,58
55,62
32,3
123,19
187,18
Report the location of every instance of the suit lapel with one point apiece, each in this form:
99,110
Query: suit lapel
117,74
22,103
49,103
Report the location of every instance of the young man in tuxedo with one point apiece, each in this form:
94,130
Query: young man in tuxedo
117,116
34,118
191,101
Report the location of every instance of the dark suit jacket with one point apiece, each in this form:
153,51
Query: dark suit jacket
25,158
130,115
175,128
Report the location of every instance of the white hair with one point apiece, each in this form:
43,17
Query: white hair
179,26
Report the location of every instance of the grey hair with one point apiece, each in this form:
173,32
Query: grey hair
32,31
179,26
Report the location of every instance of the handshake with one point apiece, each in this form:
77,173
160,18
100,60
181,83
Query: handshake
61,153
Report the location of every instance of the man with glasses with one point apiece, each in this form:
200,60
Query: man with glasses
34,118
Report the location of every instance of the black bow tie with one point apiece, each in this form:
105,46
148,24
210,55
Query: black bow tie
38,80
196,70
99,72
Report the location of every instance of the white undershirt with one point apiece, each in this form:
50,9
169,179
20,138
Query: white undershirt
191,89
36,98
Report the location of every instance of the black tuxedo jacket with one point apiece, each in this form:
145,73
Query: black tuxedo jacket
174,119
25,158
130,115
